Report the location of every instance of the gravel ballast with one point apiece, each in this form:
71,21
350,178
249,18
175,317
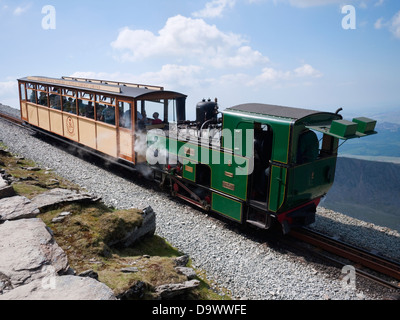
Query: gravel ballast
246,268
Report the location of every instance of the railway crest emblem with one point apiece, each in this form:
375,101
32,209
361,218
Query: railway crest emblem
70,126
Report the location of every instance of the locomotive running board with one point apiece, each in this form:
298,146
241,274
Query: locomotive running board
261,207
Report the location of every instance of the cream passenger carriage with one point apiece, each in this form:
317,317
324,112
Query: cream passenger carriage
102,115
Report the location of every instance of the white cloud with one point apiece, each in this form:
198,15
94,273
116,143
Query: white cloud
189,40
214,8
21,10
314,3
379,3
307,71
395,25
170,76
271,75
378,24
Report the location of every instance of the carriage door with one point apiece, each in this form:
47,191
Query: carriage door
126,127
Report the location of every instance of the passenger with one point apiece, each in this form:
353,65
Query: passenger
143,121
43,99
69,106
90,110
156,120
108,115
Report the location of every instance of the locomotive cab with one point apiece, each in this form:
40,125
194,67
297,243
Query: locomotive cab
295,153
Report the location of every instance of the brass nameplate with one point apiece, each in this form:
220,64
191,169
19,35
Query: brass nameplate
189,169
229,174
229,186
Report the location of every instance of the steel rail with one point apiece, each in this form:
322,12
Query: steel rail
11,118
357,255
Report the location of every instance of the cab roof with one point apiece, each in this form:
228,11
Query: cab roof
295,114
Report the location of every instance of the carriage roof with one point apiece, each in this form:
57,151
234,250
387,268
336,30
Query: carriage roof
124,89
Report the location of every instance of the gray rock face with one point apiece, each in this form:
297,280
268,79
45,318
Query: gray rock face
61,288
170,291
5,189
29,252
59,196
147,228
188,272
14,208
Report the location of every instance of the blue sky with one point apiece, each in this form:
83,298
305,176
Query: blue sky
286,52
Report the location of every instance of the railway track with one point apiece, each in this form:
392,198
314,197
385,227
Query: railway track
360,257
357,256
10,118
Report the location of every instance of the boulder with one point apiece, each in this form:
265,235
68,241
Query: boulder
124,233
188,272
28,252
170,291
135,292
18,207
62,288
60,196
182,261
5,189
147,228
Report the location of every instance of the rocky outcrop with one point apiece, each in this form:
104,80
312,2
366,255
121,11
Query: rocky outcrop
32,265
171,291
61,288
61,196
147,228
17,207
28,251
6,190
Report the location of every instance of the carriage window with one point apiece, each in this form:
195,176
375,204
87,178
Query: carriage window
105,113
86,108
85,95
105,99
125,113
55,101
23,93
70,93
153,112
56,90
55,98
31,94
69,101
42,98
69,105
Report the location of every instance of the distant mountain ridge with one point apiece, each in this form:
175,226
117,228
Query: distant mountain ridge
385,144
367,190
